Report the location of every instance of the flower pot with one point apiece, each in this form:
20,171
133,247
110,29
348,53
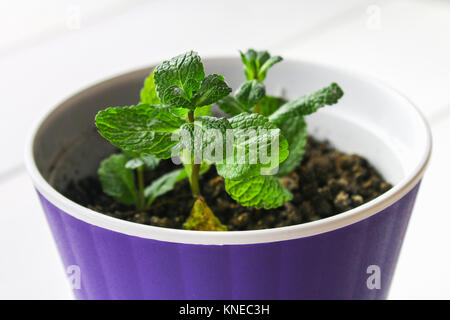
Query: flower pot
351,255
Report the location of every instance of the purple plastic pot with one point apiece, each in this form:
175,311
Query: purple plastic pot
348,256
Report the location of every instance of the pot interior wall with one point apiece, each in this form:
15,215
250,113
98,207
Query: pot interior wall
366,121
67,144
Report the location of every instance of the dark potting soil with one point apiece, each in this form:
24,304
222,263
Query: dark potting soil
326,183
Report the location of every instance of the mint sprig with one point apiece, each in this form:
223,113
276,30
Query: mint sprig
256,63
174,118
181,82
251,94
288,116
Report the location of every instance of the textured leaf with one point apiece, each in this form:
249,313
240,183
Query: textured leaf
167,183
143,129
257,63
202,218
259,192
149,161
261,58
202,111
249,56
267,64
249,60
250,92
117,180
294,130
270,104
308,104
176,79
230,106
241,163
212,88
148,92
163,184
175,96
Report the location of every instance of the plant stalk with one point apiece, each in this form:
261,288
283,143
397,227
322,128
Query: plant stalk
195,188
257,108
191,116
194,180
141,198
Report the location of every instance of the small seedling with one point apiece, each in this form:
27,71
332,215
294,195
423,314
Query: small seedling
174,120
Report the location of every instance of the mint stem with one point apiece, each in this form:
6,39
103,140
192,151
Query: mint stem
191,116
141,198
257,108
195,188
194,180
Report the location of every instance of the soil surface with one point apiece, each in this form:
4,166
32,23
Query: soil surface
327,182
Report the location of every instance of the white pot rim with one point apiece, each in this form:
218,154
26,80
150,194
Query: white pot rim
233,237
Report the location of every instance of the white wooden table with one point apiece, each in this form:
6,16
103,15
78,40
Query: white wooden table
52,49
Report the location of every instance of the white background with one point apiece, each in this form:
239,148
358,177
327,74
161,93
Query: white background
51,49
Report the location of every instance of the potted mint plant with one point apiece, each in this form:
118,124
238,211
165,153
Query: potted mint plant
195,178
177,97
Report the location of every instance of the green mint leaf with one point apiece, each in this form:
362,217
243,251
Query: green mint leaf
176,97
230,106
250,92
261,58
212,88
249,56
176,79
294,130
259,192
202,111
202,218
253,134
270,104
118,181
257,63
268,63
167,183
148,92
143,129
308,104
163,185
249,60
149,161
